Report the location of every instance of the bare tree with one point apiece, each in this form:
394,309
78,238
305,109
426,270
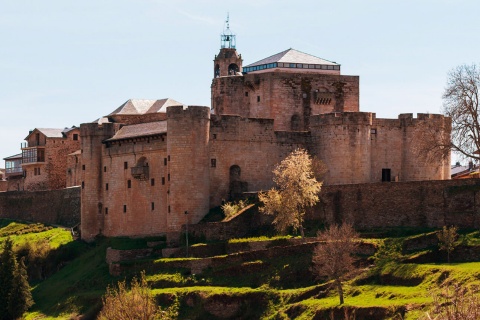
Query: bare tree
461,104
454,302
334,257
447,237
296,190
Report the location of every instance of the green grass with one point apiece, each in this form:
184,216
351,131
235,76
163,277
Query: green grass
264,287
260,238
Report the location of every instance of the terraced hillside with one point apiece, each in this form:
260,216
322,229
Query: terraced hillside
255,278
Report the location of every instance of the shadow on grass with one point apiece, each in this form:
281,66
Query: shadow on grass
78,286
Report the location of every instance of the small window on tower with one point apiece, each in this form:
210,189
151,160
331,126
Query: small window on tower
246,94
213,163
125,165
129,183
258,98
75,136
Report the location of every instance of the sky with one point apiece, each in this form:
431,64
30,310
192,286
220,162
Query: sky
65,62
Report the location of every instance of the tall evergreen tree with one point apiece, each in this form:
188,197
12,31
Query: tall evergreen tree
20,298
8,265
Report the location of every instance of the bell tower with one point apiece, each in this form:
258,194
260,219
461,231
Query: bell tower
228,62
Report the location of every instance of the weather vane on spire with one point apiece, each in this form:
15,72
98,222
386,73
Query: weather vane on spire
227,38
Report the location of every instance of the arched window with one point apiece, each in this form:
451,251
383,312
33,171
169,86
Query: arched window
232,69
217,71
296,123
235,172
237,187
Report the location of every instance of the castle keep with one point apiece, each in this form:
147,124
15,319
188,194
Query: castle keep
152,166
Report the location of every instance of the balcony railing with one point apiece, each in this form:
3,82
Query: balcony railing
34,154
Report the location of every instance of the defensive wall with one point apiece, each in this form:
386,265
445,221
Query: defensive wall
60,207
374,205
357,147
266,95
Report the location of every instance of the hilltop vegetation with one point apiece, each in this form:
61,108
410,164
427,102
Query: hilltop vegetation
262,279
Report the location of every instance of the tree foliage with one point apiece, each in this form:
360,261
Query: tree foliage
20,298
334,257
120,303
297,189
461,104
446,239
15,296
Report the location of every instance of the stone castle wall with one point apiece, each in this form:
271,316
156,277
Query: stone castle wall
283,95
188,165
92,214
356,147
60,207
402,204
250,145
369,206
134,183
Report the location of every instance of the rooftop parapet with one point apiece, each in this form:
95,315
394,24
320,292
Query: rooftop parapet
199,112
342,118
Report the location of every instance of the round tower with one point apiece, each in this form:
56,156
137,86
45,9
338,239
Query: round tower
228,62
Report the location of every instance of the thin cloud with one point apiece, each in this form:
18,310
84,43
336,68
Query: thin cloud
202,19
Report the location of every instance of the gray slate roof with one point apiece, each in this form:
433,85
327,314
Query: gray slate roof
293,56
16,156
140,130
144,106
48,132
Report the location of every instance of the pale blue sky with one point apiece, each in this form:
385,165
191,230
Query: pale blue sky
63,62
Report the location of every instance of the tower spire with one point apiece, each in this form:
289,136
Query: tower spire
227,38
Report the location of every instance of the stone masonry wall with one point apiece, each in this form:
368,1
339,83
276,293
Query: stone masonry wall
407,204
374,205
253,147
283,95
51,207
135,205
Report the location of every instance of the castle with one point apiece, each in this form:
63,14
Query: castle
152,166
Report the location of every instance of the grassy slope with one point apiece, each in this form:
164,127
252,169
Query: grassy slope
266,287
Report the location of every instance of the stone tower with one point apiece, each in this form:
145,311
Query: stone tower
228,62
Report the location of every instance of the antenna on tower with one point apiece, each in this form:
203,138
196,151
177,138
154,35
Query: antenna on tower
227,38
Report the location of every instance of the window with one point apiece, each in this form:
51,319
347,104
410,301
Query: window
38,170
125,165
258,98
75,136
168,158
213,163
153,206
214,136
124,208
246,94
152,182
165,161
83,167
168,177
129,183
168,209
106,210
386,175
373,131
105,169
83,184
106,186
163,180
